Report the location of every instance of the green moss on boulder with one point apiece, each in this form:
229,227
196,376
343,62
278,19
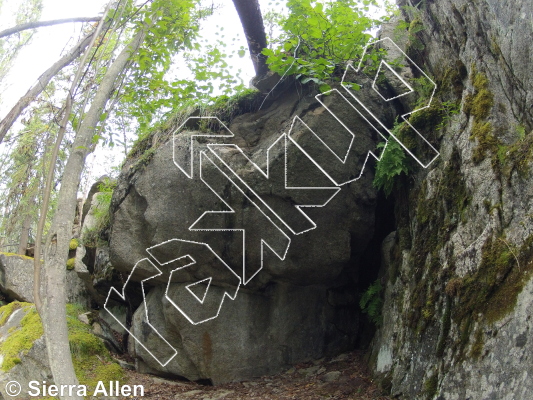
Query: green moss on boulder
92,361
20,340
71,263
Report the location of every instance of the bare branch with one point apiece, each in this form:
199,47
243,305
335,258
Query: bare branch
50,175
43,80
39,24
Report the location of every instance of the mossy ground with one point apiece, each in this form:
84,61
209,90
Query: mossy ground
92,361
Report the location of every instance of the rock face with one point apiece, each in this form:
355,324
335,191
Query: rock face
458,298
457,271
299,308
16,280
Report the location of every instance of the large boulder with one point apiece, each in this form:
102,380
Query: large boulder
16,280
256,334
297,308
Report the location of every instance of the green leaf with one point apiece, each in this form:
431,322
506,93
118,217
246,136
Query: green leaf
310,79
324,88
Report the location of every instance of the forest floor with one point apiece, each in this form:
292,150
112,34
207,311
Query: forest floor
343,377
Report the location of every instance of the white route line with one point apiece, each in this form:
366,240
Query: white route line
411,90
404,116
190,141
266,174
189,172
193,261
201,300
332,179
282,256
123,297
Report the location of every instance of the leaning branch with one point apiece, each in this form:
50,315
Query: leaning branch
42,82
39,24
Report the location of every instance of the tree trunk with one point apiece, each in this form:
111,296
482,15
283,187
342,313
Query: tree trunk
24,235
254,30
56,249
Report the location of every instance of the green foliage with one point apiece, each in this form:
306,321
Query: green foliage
371,302
223,107
318,36
393,162
10,46
92,361
100,212
150,90
21,176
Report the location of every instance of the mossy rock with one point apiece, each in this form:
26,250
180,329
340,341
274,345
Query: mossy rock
225,108
71,263
20,340
92,361
74,243
16,255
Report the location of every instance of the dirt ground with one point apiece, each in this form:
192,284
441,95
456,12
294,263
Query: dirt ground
343,377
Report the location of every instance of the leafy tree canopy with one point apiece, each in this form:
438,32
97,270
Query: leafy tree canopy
318,36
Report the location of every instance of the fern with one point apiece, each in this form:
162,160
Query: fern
393,162
371,302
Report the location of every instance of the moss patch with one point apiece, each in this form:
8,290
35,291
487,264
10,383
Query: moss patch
445,330
518,156
451,81
7,310
74,243
16,255
71,263
479,105
477,346
21,340
477,288
431,386
226,108
437,218
92,361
